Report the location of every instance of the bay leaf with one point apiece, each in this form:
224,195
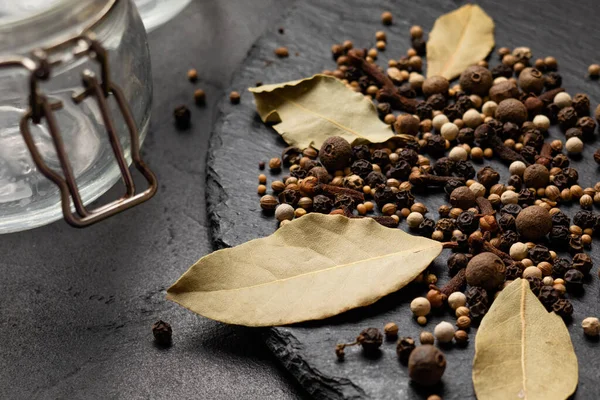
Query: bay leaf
312,268
458,40
306,112
522,351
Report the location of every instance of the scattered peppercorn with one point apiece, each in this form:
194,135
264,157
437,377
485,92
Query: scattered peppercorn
182,116
162,332
234,97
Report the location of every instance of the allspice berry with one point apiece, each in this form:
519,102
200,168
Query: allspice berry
533,223
503,90
335,153
536,176
435,85
407,125
462,197
476,80
511,110
485,270
426,365
531,80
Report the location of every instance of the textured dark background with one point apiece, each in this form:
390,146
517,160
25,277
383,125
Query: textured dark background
241,140
77,305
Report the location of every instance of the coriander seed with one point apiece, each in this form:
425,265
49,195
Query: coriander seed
192,75
594,71
262,179
268,202
262,189
200,97
282,52
462,311
386,18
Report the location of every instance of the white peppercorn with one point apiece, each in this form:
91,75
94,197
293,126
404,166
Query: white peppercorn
439,121
489,108
591,326
541,122
478,189
414,219
458,153
509,197
416,80
457,299
449,131
517,168
532,272
518,251
562,99
472,118
420,306
284,212
574,145
444,332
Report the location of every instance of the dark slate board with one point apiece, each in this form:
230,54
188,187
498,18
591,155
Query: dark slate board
241,140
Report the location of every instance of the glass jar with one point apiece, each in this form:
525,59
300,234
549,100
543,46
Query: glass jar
73,35
156,12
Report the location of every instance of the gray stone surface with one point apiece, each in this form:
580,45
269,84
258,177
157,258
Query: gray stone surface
77,305
241,140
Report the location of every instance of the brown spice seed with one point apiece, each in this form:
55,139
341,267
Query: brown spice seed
282,52
234,97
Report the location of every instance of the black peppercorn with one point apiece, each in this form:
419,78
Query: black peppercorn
426,365
476,295
563,308
424,111
539,253
462,242
552,80
299,173
526,196
404,199
383,109
551,111
435,146
290,155
478,311
512,209
597,156
453,111
571,174
575,244
409,155
582,263
529,153
587,126
322,204
464,103
535,284
561,219
446,225
404,347
426,227
510,131
375,179
573,132
401,170
567,118
507,239
466,136
384,195
581,104
501,70
443,166
506,222
162,332
488,177
515,181
419,45
559,236
467,222
560,266
456,262
464,169
584,219
380,157
370,339
406,90
182,116
548,296
361,152
574,281
290,196
534,139
560,161
361,168
514,271
437,101
344,202
561,181
483,135
451,185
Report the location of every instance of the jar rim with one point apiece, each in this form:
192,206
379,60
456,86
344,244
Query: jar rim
20,35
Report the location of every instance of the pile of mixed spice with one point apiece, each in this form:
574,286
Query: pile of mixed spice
498,231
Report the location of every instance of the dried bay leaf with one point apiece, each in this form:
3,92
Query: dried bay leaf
314,267
458,40
308,111
522,351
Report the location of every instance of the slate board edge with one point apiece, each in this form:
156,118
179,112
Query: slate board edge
281,343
